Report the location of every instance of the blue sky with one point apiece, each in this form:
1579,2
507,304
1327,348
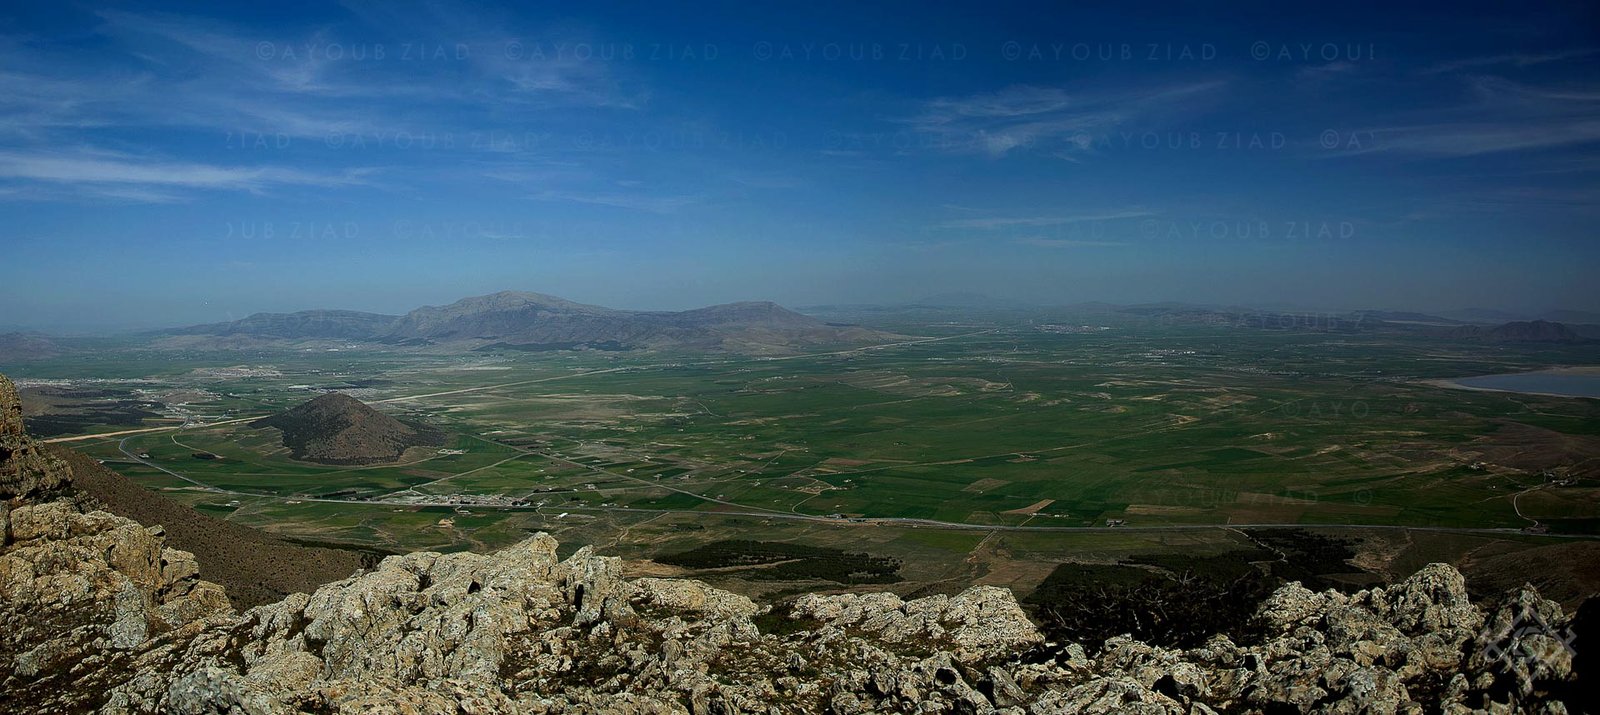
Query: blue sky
172,163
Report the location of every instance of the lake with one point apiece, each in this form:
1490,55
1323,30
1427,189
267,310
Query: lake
1547,383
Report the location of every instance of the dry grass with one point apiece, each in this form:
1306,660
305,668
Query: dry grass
1031,509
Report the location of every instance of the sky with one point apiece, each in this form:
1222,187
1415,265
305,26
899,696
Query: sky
165,164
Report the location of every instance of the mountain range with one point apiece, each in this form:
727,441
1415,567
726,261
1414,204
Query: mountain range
534,321
16,347
1525,331
308,324
1391,322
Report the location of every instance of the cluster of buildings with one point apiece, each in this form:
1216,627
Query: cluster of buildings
491,500
1068,329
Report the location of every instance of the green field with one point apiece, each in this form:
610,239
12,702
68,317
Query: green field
992,424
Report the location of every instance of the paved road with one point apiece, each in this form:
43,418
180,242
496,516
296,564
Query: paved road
145,430
872,521
122,446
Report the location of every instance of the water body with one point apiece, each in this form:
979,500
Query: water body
1542,383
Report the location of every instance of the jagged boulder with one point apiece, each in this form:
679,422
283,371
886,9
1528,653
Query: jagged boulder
520,631
982,621
85,593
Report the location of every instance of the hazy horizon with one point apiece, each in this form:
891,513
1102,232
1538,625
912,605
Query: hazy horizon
168,165
946,299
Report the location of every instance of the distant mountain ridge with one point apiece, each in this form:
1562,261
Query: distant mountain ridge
19,347
1405,316
1397,322
1488,316
535,322
347,324
516,320
1528,331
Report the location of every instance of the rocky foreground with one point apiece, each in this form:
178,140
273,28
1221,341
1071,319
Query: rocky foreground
98,615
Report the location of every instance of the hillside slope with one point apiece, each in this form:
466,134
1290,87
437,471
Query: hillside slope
23,347
1528,331
335,428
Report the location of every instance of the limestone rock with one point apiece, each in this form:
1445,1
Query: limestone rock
982,621
520,631
25,470
83,593
10,409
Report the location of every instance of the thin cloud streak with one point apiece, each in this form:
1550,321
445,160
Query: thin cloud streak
1515,60
1048,119
996,223
1040,242
636,202
1502,117
99,168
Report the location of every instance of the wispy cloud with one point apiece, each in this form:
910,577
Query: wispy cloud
139,178
1511,60
1546,198
1479,138
1326,71
1009,222
210,75
204,83
633,201
1042,242
1506,95
1046,119
1501,117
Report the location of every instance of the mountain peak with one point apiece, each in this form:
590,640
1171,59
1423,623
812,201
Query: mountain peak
511,299
337,401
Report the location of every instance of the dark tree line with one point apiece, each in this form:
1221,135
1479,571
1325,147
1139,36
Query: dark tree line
1180,601
779,561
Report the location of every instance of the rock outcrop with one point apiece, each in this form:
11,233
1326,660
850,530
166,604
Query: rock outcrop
84,592
98,615
25,471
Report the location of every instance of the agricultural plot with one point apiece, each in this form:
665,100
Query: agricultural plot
1004,427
